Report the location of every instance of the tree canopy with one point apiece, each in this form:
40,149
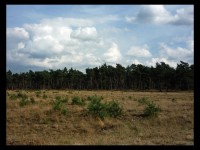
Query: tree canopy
106,77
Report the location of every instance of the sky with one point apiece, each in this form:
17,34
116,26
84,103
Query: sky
43,37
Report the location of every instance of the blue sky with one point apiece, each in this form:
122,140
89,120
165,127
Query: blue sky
42,37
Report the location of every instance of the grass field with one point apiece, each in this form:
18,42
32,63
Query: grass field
39,123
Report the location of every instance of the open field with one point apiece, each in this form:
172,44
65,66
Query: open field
37,123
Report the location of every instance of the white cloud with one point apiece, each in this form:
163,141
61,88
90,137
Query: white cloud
85,34
20,45
113,54
184,16
153,62
50,46
177,53
158,14
130,19
75,22
154,14
19,33
139,51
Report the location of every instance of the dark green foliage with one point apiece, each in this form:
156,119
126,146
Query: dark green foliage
130,97
13,96
57,105
143,100
106,77
102,110
64,111
44,96
97,108
77,101
65,99
21,95
32,100
23,101
89,98
37,93
113,108
151,109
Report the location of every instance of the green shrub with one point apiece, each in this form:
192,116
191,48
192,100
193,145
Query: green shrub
130,97
113,108
21,95
57,105
89,98
23,101
143,100
151,109
64,111
65,99
102,110
37,93
97,108
13,96
32,100
77,101
44,96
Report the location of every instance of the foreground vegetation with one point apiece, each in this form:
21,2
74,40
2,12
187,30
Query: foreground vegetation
63,117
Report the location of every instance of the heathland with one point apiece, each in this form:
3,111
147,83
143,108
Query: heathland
73,117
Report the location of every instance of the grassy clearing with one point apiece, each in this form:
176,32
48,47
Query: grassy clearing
58,119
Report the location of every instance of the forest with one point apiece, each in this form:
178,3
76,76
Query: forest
162,77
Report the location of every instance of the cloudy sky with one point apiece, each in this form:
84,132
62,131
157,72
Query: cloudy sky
42,37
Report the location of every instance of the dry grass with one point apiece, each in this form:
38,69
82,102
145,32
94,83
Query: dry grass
39,124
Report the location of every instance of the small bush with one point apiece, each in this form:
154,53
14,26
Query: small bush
102,110
89,98
65,99
21,95
13,96
130,97
64,111
77,101
143,100
57,105
44,96
173,100
113,108
32,100
97,108
37,93
151,109
23,101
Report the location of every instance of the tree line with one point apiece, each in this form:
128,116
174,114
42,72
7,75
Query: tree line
106,77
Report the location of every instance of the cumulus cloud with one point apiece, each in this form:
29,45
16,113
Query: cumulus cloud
113,54
177,53
85,34
50,46
158,14
17,33
20,45
153,61
139,51
173,55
